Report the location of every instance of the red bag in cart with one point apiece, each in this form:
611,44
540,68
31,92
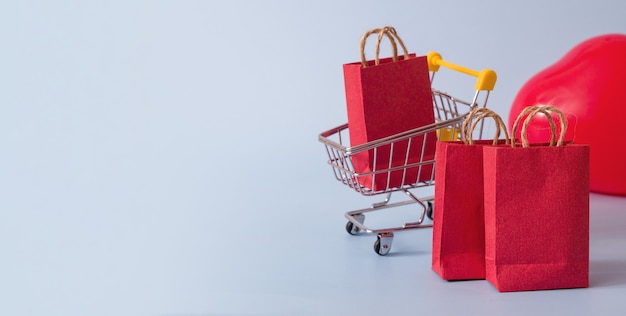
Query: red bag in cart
458,251
537,211
385,97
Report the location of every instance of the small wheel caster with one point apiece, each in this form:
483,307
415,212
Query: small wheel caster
352,229
382,245
429,209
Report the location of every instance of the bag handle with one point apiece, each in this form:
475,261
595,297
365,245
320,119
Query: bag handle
530,112
393,36
466,134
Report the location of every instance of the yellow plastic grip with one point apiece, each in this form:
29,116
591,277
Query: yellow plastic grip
486,78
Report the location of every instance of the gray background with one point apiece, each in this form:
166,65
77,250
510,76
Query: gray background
161,157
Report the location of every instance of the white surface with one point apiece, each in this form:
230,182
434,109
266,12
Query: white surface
161,157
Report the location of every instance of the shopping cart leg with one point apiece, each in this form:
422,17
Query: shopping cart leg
382,246
425,207
384,202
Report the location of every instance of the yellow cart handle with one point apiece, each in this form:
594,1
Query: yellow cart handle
486,77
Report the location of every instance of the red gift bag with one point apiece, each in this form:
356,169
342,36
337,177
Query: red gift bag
537,211
385,97
458,251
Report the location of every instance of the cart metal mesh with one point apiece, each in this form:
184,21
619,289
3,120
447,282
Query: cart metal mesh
450,113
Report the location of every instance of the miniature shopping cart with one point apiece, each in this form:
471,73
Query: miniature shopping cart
449,114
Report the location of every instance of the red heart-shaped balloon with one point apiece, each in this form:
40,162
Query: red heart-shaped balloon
588,84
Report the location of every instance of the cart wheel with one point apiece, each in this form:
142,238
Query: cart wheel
377,247
351,229
382,245
429,209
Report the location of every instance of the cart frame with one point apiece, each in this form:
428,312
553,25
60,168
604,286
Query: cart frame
450,113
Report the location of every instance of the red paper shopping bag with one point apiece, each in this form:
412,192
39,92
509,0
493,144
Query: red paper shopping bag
458,251
385,97
537,212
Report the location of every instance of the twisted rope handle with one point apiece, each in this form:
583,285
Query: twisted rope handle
531,111
393,36
474,117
